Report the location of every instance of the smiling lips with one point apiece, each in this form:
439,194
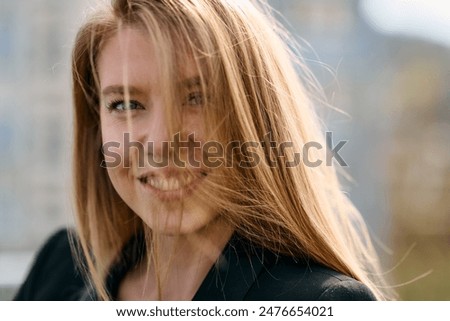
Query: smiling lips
173,186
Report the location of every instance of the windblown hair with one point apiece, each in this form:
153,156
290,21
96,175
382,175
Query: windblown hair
251,76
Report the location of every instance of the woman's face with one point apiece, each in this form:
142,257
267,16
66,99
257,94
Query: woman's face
165,197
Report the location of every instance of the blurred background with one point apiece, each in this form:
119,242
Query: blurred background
384,63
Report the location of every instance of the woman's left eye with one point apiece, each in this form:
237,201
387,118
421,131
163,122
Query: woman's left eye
194,98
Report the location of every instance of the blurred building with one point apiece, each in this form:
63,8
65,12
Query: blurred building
35,102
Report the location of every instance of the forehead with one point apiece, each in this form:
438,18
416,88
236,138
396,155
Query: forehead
130,58
127,57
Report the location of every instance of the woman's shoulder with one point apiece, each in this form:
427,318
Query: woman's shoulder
249,272
305,280
53,274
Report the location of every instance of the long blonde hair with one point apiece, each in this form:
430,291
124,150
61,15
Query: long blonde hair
251,76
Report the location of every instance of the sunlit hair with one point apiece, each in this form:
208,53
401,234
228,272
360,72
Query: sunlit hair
251,78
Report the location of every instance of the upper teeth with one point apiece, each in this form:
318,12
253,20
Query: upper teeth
166,184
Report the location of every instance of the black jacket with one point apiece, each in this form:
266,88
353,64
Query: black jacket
243,273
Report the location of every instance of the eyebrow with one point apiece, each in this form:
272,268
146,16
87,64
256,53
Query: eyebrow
191,82
132,90
120,89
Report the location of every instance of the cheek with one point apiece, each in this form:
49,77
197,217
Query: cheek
194,122
113,154
123,184
112,143
112,131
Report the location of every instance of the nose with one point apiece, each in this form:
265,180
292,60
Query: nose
155,131
150,128
164,145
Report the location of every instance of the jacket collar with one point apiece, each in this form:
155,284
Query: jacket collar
234,273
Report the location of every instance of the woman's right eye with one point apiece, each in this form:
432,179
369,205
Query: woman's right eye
122,105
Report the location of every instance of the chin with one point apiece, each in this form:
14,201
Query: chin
181,222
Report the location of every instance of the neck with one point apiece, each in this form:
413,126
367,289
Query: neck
187,251
181,263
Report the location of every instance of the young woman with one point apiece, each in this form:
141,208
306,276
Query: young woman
190,118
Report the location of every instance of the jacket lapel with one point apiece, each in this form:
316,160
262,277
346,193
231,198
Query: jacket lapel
234,274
